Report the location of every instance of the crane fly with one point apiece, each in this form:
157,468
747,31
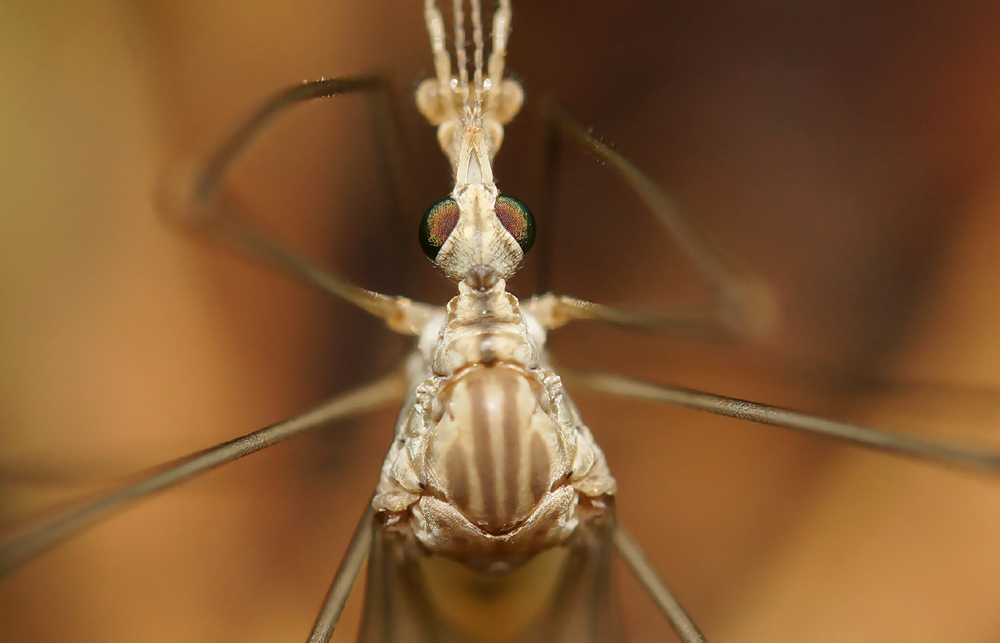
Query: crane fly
493,480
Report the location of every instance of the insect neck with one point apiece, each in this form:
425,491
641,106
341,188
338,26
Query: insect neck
484,326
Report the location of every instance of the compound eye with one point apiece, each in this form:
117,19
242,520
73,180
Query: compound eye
517,219
437,225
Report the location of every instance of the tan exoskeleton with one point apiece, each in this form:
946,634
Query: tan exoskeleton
491,458
492,463
493,518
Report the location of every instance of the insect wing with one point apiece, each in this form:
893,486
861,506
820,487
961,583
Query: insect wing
583,608
396,609
562,595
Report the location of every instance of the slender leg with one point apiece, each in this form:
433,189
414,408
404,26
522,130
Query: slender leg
658,590
382,600
547,206
553,311
742,306
203,203
344,580
21,546
389,143
969,457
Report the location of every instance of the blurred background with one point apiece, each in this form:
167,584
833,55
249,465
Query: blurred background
848,153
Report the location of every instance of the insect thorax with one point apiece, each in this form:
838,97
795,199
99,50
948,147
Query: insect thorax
491,459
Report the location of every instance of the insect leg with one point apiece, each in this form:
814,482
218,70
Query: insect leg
344,580
21,546
389,143
741,306
551,155
382,598
206,206
968,457
658,590
554,311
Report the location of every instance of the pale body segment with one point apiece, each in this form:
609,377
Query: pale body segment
491,459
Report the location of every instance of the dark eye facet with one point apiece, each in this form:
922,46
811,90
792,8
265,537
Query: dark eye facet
517,219
437,225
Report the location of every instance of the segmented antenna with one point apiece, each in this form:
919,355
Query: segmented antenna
477,57
484,92
475,105
458,9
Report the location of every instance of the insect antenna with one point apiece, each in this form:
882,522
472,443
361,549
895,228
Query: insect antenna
461,57
477,57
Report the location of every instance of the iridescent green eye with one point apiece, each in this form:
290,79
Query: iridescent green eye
437,225
517,219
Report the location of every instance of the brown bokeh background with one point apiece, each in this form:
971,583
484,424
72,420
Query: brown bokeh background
848,153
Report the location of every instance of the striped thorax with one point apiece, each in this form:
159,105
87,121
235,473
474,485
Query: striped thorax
491,459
